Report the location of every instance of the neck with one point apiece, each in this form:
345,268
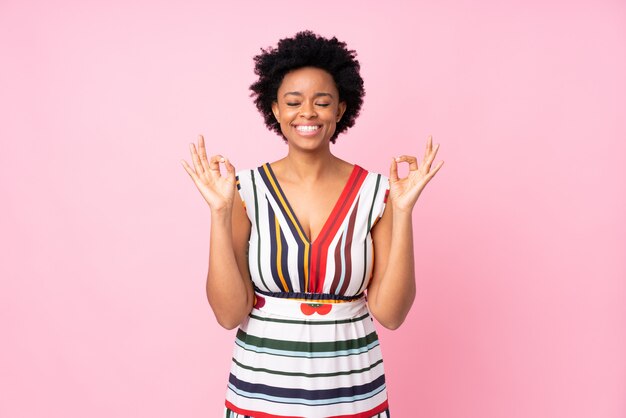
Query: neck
310,166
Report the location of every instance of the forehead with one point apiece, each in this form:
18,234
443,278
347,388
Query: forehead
308,79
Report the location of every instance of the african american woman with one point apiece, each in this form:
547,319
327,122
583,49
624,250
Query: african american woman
305,250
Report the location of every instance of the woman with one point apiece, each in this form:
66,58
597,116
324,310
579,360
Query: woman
292,256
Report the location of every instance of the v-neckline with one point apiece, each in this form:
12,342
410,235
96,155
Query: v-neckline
328,220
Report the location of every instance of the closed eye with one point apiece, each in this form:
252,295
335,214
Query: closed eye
297,104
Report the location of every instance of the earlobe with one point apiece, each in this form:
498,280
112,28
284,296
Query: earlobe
276,111
341,110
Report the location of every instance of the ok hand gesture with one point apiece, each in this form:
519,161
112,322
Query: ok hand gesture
404,192
216,189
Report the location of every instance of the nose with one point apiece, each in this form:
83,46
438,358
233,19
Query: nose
307,111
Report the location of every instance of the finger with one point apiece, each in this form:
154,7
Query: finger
214,164
429,145
393,170
431,158
202,151
432,173
433,151
190,171
196,159
230,169
409,159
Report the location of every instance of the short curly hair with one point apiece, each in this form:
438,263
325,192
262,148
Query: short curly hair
307,49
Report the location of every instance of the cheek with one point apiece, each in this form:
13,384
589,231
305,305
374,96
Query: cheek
287,114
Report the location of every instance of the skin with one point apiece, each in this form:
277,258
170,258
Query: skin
312,179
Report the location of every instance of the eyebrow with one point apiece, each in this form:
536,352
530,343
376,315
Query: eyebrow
297,93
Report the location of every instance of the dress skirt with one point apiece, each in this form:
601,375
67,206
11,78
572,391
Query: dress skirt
295,357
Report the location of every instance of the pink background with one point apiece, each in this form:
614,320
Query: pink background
520,238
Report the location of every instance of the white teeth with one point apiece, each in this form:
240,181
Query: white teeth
307,128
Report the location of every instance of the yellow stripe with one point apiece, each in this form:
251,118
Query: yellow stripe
293,220
306,267
278,253
321,300
284,204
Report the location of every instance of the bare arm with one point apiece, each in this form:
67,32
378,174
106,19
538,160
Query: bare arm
228,286
391,290
229,289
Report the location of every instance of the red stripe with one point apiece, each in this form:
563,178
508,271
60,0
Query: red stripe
367,414
319,251
256,414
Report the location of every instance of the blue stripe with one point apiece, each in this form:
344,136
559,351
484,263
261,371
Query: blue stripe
302,402
273,247
304,396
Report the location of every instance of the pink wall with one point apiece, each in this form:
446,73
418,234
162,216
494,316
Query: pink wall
520,238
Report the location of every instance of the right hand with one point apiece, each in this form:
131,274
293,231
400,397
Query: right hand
217,190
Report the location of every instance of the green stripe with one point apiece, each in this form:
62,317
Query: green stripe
258,231
260,369
295,321
306,346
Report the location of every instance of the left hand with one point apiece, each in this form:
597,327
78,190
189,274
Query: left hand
404,192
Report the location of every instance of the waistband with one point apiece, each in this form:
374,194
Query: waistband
310,309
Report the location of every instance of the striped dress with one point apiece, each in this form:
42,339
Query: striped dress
309,347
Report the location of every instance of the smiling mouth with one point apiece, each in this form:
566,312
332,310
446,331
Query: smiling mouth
307,128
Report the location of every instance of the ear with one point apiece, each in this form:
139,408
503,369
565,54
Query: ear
275,110
341,110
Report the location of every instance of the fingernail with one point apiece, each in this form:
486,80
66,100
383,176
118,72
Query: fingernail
222,159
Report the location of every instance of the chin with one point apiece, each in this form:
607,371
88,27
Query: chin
306,142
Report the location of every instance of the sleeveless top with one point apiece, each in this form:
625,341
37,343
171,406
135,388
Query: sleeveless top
309,347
